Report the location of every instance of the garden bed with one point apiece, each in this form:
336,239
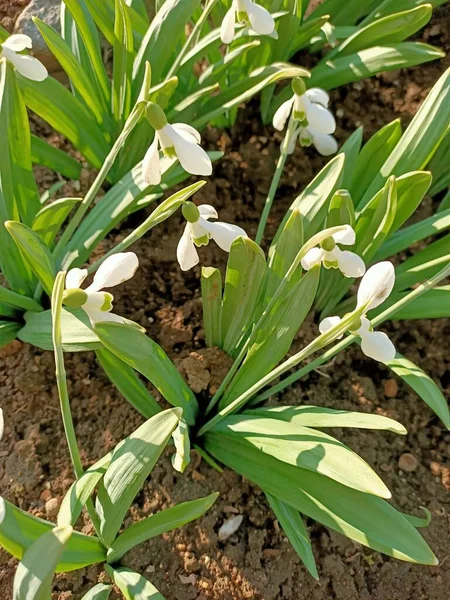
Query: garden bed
257,561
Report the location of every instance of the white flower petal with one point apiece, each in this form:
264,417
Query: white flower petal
299,104
365,327
167,135
325,144
28,66
207,211
192,157
188,132
328,323
151,165
350,264
377,345
75,278
376,285
97,316
2,424
95,300
320,119
318,96
18,42
261,20
223,234
227,27
346,236
312,257
282,114
187,254
114,270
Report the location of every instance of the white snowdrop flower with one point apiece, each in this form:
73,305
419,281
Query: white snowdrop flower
97,303
375,287
2,424
315,122
332,257
250,13
28,66
199,231
177,140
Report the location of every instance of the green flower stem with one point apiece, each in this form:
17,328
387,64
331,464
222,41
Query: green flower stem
63,393
191,39
275,180
332,352
66,259
18,300
317,344
208,458
316,239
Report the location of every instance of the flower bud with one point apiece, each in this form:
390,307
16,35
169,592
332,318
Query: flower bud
190,212
156,116
328,244
298,86
74,298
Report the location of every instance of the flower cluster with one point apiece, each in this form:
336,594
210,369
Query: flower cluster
332,257
314,123
248,12
28,66
376,286
178,140
97,303
199,231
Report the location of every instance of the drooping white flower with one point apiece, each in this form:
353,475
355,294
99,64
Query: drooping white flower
314,121
176,140
2,424
332,257
199,231
28,66
250,13
375,287
97,303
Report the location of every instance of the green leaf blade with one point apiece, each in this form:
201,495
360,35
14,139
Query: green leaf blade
131,463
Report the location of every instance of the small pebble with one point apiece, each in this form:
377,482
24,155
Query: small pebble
52,507
390,388
407,462
188,579
229,527
45,495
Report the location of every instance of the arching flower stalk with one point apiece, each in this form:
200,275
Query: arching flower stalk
375,287
199,231
177,140
250,13
95,302
28,66
314,122
332,257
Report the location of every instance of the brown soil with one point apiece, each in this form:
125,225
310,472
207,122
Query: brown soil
257,561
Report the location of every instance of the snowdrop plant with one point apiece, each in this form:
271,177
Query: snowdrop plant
199,230
254,316
195,80
44,548
361,199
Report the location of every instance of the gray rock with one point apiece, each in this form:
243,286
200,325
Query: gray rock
49,12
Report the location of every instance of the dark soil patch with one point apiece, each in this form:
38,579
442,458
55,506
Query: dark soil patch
257,562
